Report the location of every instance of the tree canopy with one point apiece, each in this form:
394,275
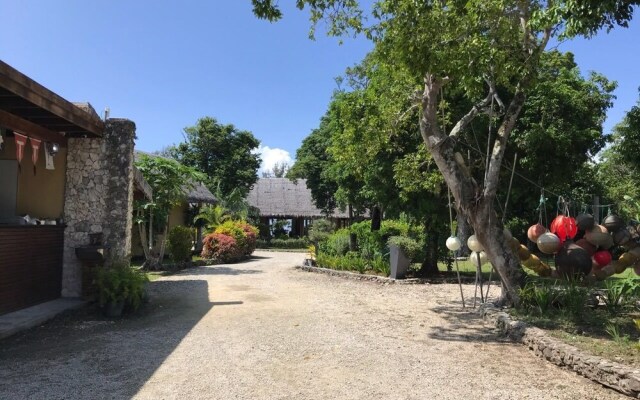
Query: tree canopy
486,51
224,153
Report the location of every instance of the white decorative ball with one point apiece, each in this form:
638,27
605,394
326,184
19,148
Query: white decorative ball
473,257
453,243
474,244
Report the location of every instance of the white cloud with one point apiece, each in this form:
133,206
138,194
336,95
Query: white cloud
271,156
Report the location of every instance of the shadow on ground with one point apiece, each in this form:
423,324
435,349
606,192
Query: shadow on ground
84,355
463,325
218,270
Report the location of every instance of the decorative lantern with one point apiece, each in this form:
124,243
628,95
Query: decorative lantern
548,243
573,260
453,243
585,222
598,235
515,244
535,231
584,243
473,257
473,244
621,236
613,223
523,253
564,227
602,258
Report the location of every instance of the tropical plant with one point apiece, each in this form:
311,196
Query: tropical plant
170,182
221,247
409,246
120,284
212,216
180,242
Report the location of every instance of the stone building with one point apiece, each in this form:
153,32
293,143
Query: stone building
65,175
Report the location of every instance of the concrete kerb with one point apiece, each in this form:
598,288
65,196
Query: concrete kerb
30,317
619,377
385,280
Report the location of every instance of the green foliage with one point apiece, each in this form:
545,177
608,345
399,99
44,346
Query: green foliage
170,181
409,246
283,244
337,244
320,230
212,216
179,242
614,331
538,298
120,284
223,152
617,291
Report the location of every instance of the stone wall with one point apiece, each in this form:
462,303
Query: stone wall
98,198
119,158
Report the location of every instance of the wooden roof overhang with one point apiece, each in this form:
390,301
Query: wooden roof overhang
28,107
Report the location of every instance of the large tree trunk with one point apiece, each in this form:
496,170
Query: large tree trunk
430,263
463,233
376,219
473,200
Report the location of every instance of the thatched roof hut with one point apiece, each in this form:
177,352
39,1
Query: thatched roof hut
283,198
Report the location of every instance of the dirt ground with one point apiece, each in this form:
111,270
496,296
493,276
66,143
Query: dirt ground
263,330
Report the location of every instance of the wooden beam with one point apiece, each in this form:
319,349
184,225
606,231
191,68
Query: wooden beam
25,87
15,123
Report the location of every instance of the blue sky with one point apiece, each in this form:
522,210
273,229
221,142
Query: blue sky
164,66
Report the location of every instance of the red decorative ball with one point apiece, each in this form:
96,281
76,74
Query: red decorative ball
602,257
564,227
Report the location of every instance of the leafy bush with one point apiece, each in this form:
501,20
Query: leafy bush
179,242
409,246
337,243
251,237
284,244
235,230
120,283
320,230
221,247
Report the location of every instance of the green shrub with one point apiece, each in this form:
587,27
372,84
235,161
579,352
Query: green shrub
337,243
320,229
179,243
301,243
409,246
120,283
233,229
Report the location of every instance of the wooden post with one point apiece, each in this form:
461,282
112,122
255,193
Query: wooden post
596,209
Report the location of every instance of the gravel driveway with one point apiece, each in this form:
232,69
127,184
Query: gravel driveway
262,330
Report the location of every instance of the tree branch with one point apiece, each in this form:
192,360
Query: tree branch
468,117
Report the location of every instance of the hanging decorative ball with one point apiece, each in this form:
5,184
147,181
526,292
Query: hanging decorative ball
585,222
515,244
598,235
621,236
453,243
628,259
584,243
635,251
613,222
636,269
535,231
523,253
473,257
573,260
602,258
608,242
548,243
473,244
507,235
564,227
619,267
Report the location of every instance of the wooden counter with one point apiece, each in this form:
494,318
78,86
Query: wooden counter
30,265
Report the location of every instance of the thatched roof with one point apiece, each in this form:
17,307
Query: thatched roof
141,184
197,194
280,197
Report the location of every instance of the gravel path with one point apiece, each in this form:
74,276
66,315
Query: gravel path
262,330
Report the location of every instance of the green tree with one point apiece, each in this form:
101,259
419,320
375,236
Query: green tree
473,47
170,181
225,154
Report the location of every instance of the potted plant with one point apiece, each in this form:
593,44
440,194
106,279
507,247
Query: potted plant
401,250
120,287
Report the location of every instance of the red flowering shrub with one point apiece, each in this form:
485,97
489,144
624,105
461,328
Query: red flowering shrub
251,237
221,247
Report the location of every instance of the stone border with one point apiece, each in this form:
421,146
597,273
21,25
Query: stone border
619,377
385,280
